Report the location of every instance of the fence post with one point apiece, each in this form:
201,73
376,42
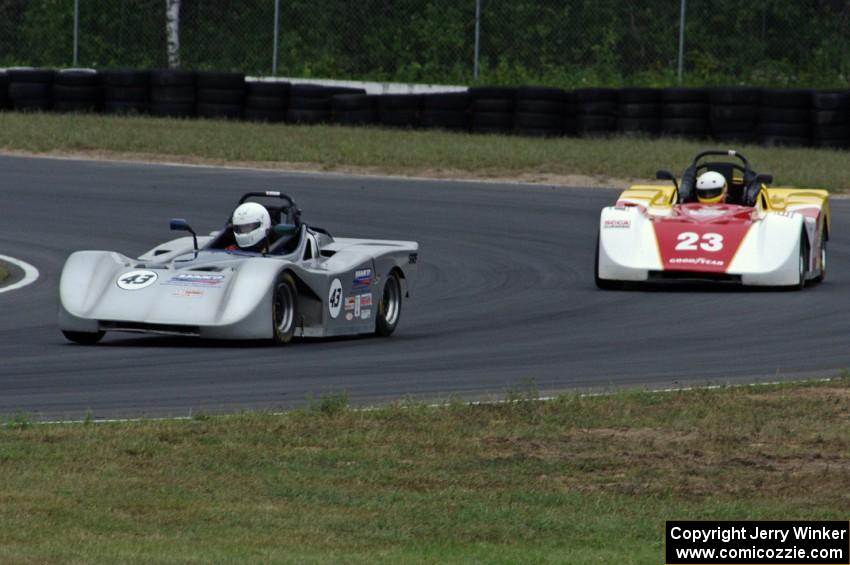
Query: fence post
477,38
681,42
76,32
276,35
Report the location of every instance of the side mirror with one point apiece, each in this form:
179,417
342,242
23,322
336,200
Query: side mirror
285,229
764,178
179,224
664,175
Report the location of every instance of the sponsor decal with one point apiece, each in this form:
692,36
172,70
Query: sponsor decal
335,298
365,300
136,280
188,293
349,316
349,303
357,305
609,224
696,261
365,314
413,258
195,279
707,212
362,279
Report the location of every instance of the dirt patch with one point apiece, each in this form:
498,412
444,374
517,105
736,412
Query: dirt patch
502,176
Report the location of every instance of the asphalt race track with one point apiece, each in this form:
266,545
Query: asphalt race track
505,299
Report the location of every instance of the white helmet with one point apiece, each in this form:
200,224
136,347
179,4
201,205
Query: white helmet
251,224
711,187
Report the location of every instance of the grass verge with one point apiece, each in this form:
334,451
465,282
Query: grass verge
577,479
611,161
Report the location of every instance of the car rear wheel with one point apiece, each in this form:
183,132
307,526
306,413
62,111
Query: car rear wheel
801,264
83,338
823,263
389,309
284,309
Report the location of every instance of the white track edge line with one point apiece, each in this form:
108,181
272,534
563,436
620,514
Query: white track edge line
30,273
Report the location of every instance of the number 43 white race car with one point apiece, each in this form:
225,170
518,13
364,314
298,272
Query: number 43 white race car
759,236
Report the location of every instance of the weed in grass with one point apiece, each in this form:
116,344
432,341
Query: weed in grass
330,404
20,421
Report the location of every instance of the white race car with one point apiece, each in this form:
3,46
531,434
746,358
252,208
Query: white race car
760,236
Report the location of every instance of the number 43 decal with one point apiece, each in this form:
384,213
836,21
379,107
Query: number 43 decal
708,242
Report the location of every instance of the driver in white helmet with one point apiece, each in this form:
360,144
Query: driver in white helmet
251,226
711,188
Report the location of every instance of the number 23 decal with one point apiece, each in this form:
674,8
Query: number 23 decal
708,242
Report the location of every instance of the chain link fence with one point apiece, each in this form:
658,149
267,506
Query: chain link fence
549,42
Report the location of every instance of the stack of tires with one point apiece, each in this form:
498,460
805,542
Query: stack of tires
311,103
220,95
172,93
31,89
684,112
354,109
400,110
638,111
596,111
569,113
734,113
830,119
446,110
784,117
4,90
539,111
126,91
492,109
77,90
266,101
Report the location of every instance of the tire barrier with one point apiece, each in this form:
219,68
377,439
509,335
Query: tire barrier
770,116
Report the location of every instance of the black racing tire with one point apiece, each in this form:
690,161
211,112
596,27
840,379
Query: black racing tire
83,338
501,121
311,91
831,100
215,80
598,108
127,93
348,102
829,117
839,131
638,96
400,102
784,115
784,141
538,121
399,118
446,119
492,92
75,93
220,96
268,89
389,308
310,104
555,107
32,104
691,110
585,95
29,90
173,94
734,112
540,93
445,101
40,76
127,78
678,95
832,143
74,106
738,96
172,78
823,262
786,98
266,103
638,110
493,105
638,125
801,264
539,132
784,130
284,309
595,124
77,77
